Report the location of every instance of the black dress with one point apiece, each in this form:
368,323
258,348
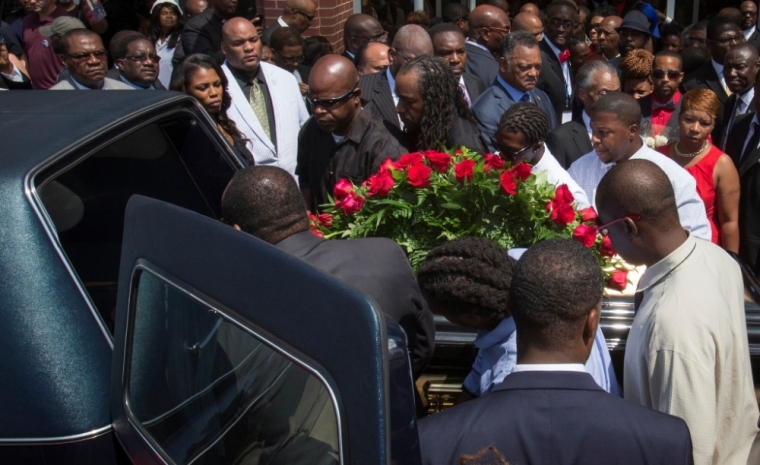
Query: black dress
238,146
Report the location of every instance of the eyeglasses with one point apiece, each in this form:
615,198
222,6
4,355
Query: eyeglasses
660,73
292,60
99,55
603,229
503,30
328,103
749,13
382,37
514,155
309,17
697,40
143,58
737,39
556,23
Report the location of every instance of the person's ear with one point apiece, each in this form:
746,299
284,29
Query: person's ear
63,60
633,131
631,228
582,96
590,326
119,63
539,145
224,49
391,56
503,65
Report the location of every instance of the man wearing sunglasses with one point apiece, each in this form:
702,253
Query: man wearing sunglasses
663,105
87,61
297,14
341,140
139,66
739,69
359,30
287,53
487,26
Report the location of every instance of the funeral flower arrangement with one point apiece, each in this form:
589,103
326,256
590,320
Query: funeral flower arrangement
424,199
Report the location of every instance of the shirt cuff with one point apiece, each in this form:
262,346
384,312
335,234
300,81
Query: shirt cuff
15,76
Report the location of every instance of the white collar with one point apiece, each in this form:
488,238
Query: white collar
391,81
717,67
748,96
470,41
749,32
587,121
281,22
351,54
554,48
297,75
549,367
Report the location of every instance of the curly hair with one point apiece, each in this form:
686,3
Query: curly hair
443,100
701,99
183,74
467,275
636,65
155,33
527,119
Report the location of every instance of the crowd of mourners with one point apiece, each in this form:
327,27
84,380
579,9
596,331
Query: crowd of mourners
651,122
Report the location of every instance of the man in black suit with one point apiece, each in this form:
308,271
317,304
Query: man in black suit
488,25
548,410
361,29
572,140
203,33
519,66
297,14
744,149
449,45
749,22
740,68
380,89
722,33
264,201
556,77
287,52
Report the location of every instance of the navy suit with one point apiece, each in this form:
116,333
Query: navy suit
481,63
555,418
492,103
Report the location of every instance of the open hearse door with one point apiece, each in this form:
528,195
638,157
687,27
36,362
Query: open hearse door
227,350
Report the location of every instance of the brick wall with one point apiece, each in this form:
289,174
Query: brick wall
331,14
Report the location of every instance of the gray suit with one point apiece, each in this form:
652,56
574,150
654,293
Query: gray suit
111,84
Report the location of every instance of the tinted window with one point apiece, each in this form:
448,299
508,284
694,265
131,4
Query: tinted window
206,390
173,159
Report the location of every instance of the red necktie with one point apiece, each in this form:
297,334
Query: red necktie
564,56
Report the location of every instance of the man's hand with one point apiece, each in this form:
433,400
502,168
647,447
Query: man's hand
6,67
304,88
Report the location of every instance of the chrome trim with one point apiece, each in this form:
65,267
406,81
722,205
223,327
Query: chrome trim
56,440
144,265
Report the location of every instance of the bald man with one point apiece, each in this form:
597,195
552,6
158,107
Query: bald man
379,89
342,140
371,58
530,8
529,22
359,30
267,106
488,26
297,14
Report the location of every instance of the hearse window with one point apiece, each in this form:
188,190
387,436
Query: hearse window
204,390
172,159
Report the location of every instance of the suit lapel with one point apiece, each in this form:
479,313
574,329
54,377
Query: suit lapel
576,135
713,82
385,99
242,106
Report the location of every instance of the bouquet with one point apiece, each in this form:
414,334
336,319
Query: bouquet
427,198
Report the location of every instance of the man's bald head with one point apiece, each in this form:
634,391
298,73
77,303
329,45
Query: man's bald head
360,29
241,45
334,77
239,24
298,14
486,16
372,58
528,22
731,13
500,4
530,8
333,71
195,7
411,41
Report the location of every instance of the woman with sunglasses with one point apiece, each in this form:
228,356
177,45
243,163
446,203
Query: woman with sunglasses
714,171
165,28
199,76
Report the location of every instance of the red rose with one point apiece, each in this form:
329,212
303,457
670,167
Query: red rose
521,171
342,189
408,160
586,235
439,160
493,162
562,214
563,195
463,170
419,176
380,184
508,183
618,280
351,204
587,214
605,248
387,165
317,232
458,152
325,220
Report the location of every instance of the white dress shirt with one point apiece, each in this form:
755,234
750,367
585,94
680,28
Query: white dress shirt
557,176
281,22
589,170
719,70
567,76
165,66
549,367
748,32
392,84
463,86
587,123
15,75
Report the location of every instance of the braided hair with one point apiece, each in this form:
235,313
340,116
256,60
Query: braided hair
527,119
443,100
637,64
468,275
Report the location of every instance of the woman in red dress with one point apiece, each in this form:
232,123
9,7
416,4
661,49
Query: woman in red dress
715,173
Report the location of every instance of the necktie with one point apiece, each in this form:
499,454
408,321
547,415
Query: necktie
753,141
525,98
463,89
727,129
564,56
669,105
259,106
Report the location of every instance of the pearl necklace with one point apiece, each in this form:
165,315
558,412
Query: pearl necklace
692,154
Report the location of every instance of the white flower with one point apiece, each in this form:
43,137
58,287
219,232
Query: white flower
660,141
650,142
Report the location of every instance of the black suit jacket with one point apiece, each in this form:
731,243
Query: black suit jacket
568,143
754,39
268,31
556,418
203,34
749,197
481,63
721,126
705,76
645,103
552,81
474,85
466,133
25,84
376,91
380,269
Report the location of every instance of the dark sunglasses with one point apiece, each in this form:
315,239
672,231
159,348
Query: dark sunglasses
603,229
100,54
143,58
308,17
328,103
660,73
512,155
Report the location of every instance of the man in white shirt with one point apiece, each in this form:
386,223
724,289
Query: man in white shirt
615,120
687,352
520,137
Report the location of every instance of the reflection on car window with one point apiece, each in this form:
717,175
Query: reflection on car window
173,160
207,391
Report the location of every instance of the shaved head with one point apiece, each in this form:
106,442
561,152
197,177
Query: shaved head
333,71
335,77
527,22
237,25
486,16
411,41
530,8
360,29
372,58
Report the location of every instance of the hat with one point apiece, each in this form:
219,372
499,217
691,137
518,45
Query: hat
161,2
61,26
635,20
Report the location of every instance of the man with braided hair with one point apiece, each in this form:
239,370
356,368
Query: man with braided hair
520,137
467,281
